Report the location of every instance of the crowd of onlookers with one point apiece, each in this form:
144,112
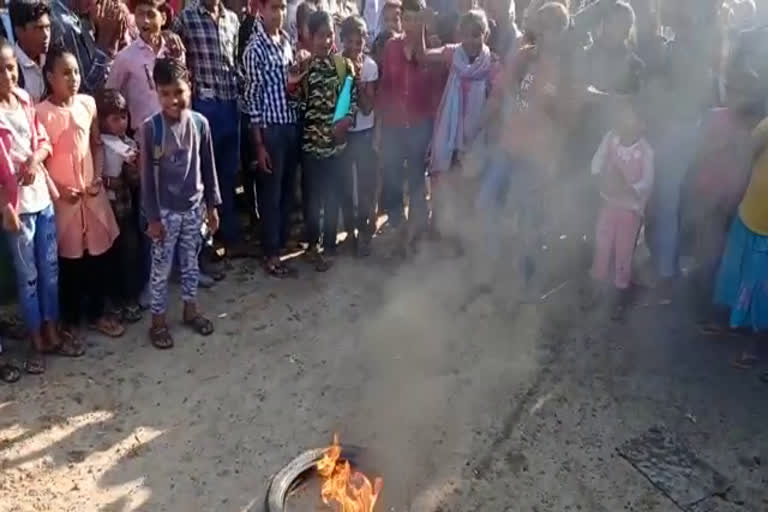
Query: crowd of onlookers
126,131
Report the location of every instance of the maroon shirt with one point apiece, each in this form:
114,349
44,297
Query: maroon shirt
406,88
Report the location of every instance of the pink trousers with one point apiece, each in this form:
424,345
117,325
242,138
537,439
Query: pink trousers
615,239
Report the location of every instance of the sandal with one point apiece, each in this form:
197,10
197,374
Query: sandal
279,270
131,314
200,325
34,364
108,326
160,337
70,346
9,373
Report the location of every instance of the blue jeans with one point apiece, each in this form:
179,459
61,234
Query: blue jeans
35,257
224,118
403,154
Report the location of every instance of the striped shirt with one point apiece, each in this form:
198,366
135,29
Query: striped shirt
265,66
211,49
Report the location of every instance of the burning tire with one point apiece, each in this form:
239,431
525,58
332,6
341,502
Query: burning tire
296,471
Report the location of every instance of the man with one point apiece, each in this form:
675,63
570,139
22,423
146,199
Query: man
32,24
209,32
72,29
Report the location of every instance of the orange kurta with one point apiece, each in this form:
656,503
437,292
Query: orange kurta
89,224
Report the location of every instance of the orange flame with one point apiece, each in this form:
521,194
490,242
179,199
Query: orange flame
350,491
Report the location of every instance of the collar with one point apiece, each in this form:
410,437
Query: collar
263,33
25,61
143,45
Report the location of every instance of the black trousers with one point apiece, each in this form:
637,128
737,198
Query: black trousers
359,158
126,280
323,179
83,286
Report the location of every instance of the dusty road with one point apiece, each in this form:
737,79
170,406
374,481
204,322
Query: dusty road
467,401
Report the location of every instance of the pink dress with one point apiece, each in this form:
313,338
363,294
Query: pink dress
89,224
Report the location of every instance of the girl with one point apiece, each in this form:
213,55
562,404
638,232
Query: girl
742,281
24,147
523,110
461,108
85,223
120,174
624,162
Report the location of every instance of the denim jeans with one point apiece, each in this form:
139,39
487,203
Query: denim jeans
359,161
276,190
224,119
403,154
324,179
35,258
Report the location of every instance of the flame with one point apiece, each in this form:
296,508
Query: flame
350,491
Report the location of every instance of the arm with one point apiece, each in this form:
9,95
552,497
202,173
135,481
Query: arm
439,55
643,187
149,194
253,85
97,151
208,169
117,74
598,161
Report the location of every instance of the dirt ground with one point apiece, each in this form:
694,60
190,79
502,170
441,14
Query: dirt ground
467,399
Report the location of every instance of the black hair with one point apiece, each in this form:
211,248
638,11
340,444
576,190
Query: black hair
474,19
155,4
109,102
167,71
52,57
23,12
303,12
414,5
317,20
353,25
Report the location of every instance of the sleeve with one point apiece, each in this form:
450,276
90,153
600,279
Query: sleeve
598,161
644,185
370,71
253,85
9,189
117,74
41,140
208,167
149,193
177,26
94,78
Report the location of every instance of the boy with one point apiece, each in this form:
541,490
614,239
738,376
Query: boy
179,187
391,26
324,139
274,129
32,25
358,157
131,73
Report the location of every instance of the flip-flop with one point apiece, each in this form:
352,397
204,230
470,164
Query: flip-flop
131,314
9,373
279,270
160,337
200,325
34,364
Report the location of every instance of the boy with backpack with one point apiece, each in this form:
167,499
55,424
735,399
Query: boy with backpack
178,188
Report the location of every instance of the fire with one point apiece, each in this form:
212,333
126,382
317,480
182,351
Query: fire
347,490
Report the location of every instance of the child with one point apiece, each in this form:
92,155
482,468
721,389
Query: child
359,154
742,281
120,174
719,175
29,216
612,64
131,71
178,188
392,25
624,162
85,224
323,140
303,42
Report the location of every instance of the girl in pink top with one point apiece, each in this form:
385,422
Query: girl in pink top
624,162
85,223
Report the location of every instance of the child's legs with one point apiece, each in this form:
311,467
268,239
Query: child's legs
46,255
291,140
71,275
346,186
491,199
417,142
22,247
333,183
312,173
128,265
247,156
98,272
364,159
605,235
162,261
393,156
627,229
188,249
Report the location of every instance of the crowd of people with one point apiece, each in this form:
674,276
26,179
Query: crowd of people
126,131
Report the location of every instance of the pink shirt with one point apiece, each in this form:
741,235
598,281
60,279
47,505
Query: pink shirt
132,75
89,224
626,172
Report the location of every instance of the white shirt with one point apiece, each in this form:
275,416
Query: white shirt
371,10
369,73
34,83
33,198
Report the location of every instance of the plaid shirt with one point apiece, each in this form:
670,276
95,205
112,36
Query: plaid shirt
265,66
211,49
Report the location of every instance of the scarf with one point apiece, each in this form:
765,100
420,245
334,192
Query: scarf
460,107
